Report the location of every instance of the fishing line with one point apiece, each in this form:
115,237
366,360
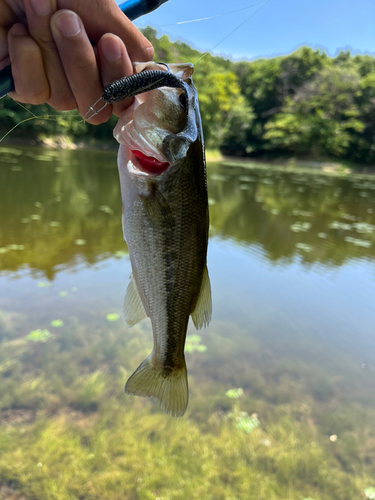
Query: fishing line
211,17
231,33
41,117
28,110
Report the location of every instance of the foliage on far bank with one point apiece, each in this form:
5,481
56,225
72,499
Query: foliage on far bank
305,103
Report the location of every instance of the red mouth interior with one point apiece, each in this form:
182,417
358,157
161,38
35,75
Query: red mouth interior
149,164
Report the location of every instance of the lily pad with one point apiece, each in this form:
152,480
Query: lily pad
298,227
106,209
305,247
43,284
358,242
364,227
218,177
80,242
54,223
35,217
336,224
63,293
121,253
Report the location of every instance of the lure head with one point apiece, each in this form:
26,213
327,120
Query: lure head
158,129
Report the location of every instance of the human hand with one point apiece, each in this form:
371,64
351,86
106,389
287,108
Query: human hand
47,42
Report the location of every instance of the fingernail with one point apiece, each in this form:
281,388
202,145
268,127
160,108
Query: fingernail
19,30
111,48
41,7
68,24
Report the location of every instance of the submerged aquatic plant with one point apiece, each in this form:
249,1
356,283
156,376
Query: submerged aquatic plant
193,343
234,393
242,420
246,422
369,493
39,335
112,317
57,323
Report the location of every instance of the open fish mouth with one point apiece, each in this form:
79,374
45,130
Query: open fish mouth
141,164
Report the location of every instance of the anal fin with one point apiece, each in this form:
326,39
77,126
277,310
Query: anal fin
133,310
201,315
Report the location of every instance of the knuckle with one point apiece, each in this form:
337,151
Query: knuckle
63,104
37,98
84,65
47,43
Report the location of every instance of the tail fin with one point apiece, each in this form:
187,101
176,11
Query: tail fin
171,389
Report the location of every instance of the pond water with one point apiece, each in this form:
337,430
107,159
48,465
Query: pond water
292,266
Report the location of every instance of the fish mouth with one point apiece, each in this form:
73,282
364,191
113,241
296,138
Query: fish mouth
148,164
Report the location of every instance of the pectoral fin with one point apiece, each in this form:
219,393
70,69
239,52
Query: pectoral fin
133,310
201,315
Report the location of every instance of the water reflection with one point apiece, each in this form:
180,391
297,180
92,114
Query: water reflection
57,205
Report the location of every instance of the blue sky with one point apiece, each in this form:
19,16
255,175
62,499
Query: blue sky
278,28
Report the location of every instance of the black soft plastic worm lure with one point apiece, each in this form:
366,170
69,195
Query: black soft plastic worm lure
132,85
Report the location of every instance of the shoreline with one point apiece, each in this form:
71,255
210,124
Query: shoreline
212,155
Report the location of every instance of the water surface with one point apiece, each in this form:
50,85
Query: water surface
292,265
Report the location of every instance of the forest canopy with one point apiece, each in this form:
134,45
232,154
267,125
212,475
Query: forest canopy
305,103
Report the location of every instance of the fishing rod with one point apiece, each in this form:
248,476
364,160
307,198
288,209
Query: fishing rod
131,8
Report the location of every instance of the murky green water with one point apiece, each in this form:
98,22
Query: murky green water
292,266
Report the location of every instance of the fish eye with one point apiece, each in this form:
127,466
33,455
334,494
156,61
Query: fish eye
182,99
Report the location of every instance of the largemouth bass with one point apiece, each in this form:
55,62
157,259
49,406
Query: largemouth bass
165,222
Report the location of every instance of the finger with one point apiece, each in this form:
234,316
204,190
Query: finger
39,13
30,81
4,50
106,17
9,16
79,62
114,63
